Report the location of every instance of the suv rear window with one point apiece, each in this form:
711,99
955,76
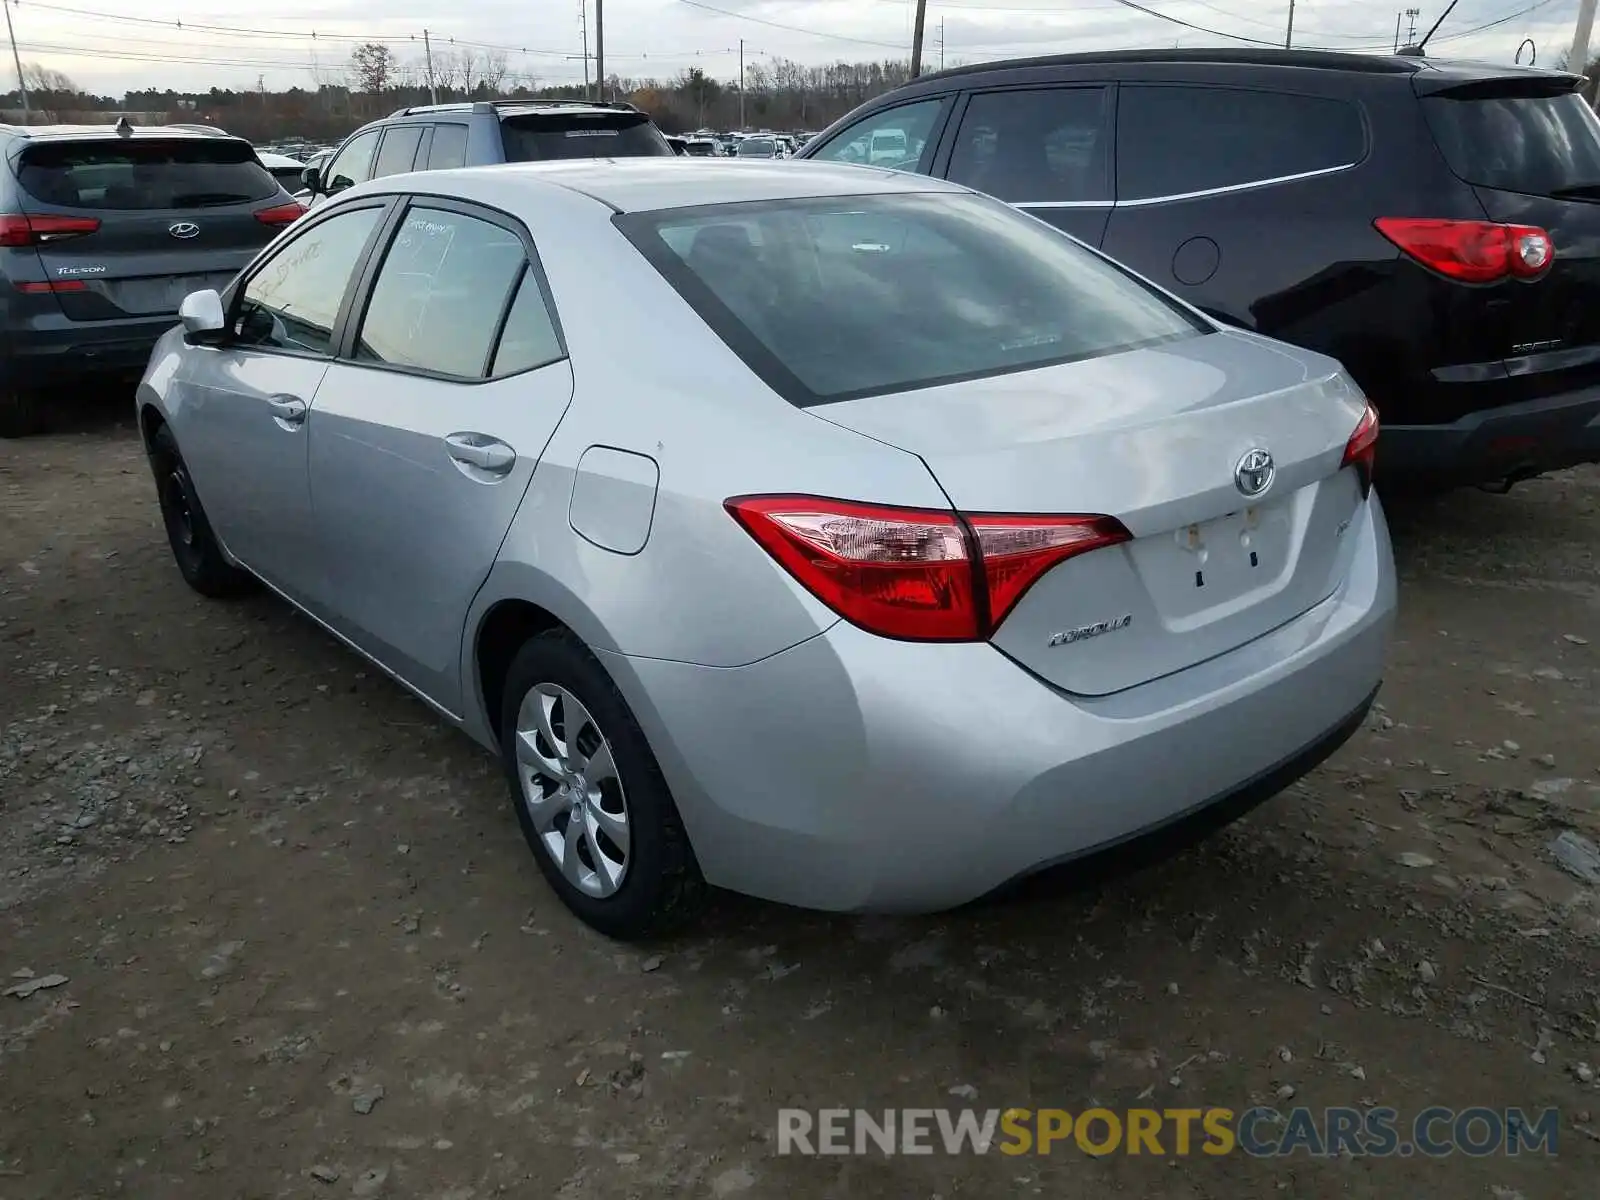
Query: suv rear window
146,173
1518,143
599,135
835,298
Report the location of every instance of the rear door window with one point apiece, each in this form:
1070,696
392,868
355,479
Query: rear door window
145,173
439,295
398,151
1044,145
1518,143
539,138
449,147
1176,140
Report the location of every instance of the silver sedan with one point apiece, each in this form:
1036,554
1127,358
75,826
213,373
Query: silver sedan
824,533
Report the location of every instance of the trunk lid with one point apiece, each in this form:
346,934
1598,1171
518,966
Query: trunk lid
1529,146
175,215
1155,438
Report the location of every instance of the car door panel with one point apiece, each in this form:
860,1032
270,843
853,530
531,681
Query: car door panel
411,521
426,432
247,402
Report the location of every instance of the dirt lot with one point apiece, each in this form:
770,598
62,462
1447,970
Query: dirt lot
307,953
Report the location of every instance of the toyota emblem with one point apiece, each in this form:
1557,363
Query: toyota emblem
183,229
1254,472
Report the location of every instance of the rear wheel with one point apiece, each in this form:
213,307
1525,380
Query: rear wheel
194,546
590,797
21,414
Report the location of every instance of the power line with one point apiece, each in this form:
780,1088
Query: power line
837,37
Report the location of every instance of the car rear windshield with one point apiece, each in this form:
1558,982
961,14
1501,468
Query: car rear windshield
1538,144
145,174
598,135
835,298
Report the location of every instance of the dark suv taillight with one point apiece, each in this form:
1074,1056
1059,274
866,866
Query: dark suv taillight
1472,251
34,229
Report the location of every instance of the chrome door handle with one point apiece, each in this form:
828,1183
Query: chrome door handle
480,451
288,411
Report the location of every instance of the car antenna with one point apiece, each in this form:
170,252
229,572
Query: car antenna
1416,51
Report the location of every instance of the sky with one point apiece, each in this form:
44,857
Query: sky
109,48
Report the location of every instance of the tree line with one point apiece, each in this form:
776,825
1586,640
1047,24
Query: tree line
777,94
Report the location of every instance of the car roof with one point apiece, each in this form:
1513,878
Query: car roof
1325,60
642,184
136,132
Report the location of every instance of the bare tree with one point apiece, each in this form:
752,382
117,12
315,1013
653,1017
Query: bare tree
372,67
492,70
37,77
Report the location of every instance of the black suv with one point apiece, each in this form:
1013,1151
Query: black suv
103,232
1434,225
431,137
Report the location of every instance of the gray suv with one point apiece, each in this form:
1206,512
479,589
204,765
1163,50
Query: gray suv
103,232
433,137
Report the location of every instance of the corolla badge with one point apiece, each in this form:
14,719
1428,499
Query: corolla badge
183,229
1254,472
1068,636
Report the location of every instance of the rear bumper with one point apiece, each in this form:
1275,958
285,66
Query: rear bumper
41,357
1494,444
852,772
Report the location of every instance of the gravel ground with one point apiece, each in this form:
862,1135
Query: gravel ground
306,952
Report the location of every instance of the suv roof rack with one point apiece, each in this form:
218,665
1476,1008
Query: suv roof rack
493,106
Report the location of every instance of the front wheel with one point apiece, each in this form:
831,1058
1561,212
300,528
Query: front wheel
194,547
590,797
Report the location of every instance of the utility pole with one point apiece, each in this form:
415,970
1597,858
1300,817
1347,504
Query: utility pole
941,43
1578,60
21,84
583,28
599,49
916,38
1288,37
741,84
1411,25
427,57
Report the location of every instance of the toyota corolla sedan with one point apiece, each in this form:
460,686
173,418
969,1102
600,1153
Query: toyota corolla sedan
824,533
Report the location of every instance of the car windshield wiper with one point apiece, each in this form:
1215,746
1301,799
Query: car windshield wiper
1577,191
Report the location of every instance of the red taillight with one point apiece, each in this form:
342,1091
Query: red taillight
1361,451
17,229
51,288
281,214
911,573
1472,251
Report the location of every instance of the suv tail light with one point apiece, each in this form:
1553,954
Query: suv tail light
281,214
911,573
1361,451
1472,251
18,229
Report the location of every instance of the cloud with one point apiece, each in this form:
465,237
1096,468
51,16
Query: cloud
659,38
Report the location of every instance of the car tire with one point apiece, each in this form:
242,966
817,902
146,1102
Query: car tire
194,546
569,797
21,414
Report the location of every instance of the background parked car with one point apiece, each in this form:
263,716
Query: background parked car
434,136
103,231
1433,225
287,170
933,450
760,147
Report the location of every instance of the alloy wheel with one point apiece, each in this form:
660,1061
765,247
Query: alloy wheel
572,790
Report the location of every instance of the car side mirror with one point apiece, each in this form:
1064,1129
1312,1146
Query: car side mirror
204,322
312,178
